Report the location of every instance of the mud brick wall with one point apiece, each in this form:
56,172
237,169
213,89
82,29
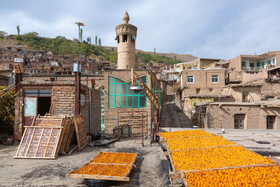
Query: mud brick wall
96,111
111,113
255,116
63,100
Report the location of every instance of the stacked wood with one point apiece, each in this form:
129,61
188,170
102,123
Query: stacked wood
48,136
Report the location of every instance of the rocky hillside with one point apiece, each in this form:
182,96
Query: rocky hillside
63,46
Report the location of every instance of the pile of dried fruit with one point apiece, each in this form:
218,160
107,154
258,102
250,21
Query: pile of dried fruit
184,134
197,142
219,157
116,158
247,176
108,163
103,169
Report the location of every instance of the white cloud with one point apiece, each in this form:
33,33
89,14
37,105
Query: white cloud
214,29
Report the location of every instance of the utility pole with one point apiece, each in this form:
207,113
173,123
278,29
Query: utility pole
77,69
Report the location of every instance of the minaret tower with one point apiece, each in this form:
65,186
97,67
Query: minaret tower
126,36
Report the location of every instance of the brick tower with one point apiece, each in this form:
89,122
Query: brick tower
126,36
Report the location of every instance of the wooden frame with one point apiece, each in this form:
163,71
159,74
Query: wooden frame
104,177
39,142
81,133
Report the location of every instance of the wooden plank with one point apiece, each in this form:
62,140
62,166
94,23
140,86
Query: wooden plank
56,146
43,127
183,177
30,141
61,137
80,129
39,142
99,177
50,135
72,150
232,167
33,121
129,170
19,147
174,175
64,135
69,137
110,164
35,157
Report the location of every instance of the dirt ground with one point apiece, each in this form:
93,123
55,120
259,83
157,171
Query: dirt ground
151,168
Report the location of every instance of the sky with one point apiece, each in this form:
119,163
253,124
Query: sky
220,29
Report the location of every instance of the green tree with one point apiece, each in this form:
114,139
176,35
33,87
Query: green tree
3,34
99,41
96,40
155,51
6,110
89,40
18,30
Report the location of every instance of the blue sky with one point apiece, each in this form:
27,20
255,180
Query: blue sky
204,28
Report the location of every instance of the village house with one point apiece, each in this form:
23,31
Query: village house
199,63
255,62
40,61
55,95
239,115
200,86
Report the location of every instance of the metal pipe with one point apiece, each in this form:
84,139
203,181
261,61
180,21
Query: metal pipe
90,110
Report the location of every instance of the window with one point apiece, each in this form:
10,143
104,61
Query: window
124,38
270,120
262,65
190,79
120,95
252,65
239,121
243,65
215,78
258,65
245,96
133,38
273,62
197,90
118,39
268,62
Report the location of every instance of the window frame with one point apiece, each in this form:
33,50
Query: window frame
119,96
243,65
212,77
190,76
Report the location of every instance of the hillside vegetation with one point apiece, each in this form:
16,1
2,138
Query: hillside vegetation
64,46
